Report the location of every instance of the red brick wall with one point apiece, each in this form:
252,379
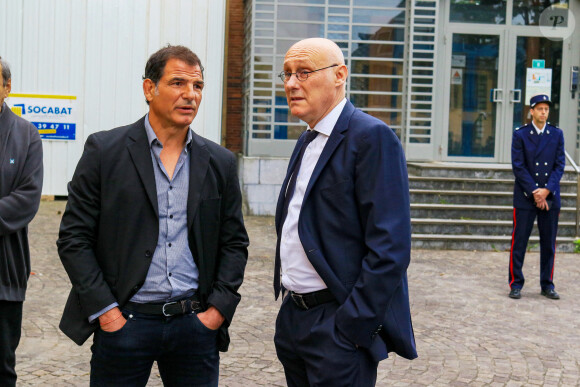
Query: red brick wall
233,123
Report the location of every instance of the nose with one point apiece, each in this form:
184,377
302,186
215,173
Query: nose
188,92
292,82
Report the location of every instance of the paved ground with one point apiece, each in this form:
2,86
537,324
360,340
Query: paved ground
469,333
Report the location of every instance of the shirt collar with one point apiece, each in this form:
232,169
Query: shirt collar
538,130
151,136
326,124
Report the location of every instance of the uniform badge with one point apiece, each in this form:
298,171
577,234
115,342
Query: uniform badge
531,132
547,131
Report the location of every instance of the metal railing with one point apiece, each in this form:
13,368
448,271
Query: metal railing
577,169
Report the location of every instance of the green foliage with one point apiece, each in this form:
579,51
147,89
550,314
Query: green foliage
577,246
532,246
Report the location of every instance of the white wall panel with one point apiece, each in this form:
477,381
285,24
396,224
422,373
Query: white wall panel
96,50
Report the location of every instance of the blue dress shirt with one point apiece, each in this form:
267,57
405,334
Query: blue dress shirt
173,273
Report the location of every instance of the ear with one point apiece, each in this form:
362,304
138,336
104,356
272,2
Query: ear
148,89
341,75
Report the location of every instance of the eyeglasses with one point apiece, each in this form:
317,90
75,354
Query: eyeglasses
300,75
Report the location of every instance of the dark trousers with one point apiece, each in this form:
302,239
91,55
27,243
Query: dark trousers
314,353
10,330
185,351
523,222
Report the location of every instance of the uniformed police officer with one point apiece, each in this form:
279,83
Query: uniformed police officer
538,162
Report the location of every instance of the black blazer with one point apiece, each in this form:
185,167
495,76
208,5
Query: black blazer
110,226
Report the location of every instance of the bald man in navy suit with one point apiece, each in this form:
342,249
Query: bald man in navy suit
344,232
538,162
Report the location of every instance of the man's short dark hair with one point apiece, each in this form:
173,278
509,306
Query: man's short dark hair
157,61
5,72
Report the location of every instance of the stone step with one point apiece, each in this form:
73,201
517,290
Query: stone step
478,227
480,242
472,170
465,184
475,211
474,197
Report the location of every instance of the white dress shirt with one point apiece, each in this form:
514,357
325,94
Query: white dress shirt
298,274
539,131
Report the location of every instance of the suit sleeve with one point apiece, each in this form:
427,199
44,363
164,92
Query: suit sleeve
19,207
233,250
559,164
521,173
382,193
79,230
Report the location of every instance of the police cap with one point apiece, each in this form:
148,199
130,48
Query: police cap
540,98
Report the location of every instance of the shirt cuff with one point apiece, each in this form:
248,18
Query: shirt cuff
101,312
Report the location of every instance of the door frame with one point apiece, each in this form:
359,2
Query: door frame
472,29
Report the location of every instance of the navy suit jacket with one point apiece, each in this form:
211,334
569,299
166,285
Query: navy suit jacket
537,162
355,228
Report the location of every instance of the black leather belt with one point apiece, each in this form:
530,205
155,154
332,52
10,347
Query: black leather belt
167,309
310,300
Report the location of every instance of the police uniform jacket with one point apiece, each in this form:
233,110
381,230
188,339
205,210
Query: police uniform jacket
537,162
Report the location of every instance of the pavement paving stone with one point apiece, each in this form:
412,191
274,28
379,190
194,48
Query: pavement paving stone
468,332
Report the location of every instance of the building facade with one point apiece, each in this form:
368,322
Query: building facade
94,52
451,77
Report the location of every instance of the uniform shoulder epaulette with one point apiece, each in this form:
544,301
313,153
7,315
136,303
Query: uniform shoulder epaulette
519,127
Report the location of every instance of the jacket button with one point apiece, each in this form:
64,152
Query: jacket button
537,163
148,253
545,163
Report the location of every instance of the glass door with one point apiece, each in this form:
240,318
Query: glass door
474,96
535,66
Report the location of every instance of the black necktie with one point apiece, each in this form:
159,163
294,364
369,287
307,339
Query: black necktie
310,135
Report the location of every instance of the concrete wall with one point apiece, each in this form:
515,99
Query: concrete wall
261,179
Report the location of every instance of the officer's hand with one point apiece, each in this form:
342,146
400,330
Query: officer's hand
540,194
542,204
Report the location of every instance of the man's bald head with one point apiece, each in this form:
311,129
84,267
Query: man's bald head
325,86
318,48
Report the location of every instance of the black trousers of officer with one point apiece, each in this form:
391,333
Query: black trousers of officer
523,222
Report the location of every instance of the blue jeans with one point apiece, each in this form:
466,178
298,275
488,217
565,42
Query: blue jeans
184,348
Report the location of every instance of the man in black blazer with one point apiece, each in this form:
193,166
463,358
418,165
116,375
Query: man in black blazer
153,239
344,232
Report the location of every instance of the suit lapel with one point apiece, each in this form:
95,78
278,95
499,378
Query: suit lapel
334,140
198,166
140,151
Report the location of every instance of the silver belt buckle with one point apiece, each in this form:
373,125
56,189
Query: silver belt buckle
163,308
299,300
